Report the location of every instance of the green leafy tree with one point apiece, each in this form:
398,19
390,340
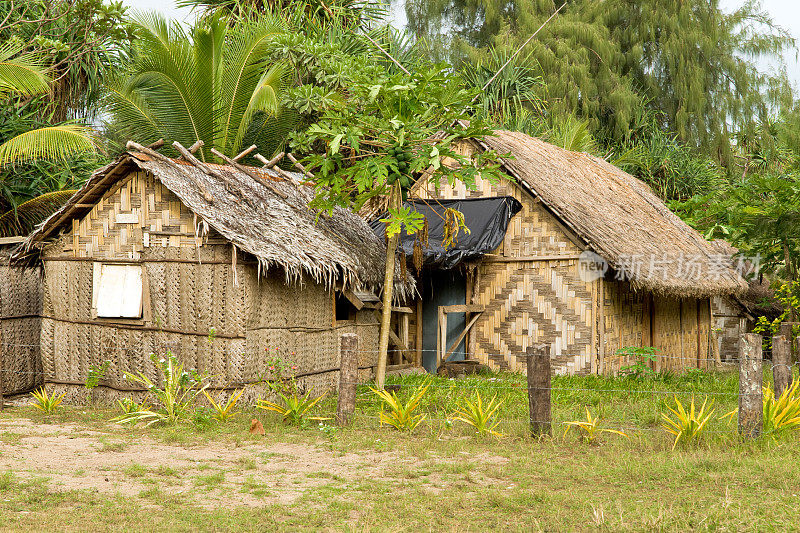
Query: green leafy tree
78,42
213,82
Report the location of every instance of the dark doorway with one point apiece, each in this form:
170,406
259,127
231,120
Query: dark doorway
442,287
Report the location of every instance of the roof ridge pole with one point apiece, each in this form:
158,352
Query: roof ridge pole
272,165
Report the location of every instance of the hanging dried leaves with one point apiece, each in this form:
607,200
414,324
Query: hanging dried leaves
453,225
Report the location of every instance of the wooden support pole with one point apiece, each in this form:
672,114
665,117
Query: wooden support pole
538,366
348,377
388,293
751,409
244,153
250,172
781,364
199,143
299,165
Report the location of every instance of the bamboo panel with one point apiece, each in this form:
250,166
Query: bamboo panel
624,317
533,303
21,301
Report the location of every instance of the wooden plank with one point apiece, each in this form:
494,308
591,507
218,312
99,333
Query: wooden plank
12,240
491,258
461,337
471,308
353,299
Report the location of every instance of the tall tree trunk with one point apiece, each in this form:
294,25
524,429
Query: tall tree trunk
388,290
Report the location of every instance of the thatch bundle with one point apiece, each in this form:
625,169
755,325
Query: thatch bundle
618,217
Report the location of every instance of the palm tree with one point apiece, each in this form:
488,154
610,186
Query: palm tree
21,74
211,83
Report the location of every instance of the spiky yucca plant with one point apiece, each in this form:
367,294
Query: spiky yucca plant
590,429
401,415
479,415
687,426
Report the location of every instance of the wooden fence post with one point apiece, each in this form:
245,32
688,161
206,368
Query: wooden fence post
348,377
538,366
751,410
781,363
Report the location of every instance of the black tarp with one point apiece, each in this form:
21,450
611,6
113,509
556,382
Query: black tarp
486,218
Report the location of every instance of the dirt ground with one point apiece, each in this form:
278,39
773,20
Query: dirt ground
210,475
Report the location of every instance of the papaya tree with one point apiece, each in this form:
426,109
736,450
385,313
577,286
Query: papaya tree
382,132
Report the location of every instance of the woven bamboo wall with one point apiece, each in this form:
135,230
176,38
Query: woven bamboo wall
193,305
729,325
626,319
530,297
20,327
679,329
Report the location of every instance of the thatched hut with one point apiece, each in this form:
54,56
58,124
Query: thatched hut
20,323
225,266
590,263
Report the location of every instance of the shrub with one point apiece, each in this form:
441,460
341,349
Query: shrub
687,426
293,407
401,415
176,397
782,414
45,402
480,416
589,428
224,411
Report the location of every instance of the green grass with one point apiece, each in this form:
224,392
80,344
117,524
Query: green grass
440,477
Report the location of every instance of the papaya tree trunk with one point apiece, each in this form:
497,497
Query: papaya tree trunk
388,291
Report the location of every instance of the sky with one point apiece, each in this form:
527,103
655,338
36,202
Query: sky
786,13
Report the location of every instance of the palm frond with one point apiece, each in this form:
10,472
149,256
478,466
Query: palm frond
22,219
53,142
20,72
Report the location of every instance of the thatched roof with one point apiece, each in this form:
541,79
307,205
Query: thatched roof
618,217
267,217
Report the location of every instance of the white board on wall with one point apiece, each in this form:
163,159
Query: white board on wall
117,291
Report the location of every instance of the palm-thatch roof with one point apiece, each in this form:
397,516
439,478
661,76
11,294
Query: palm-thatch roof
618,217
260,211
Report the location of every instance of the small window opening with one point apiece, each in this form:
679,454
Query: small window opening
343,308
117,291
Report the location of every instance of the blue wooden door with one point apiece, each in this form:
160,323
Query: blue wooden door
442,287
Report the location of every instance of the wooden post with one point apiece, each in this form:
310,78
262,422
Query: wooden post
538,366
786,331
751,410
348,377
781,363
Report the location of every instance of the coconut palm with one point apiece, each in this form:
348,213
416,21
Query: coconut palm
211,83
23,75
